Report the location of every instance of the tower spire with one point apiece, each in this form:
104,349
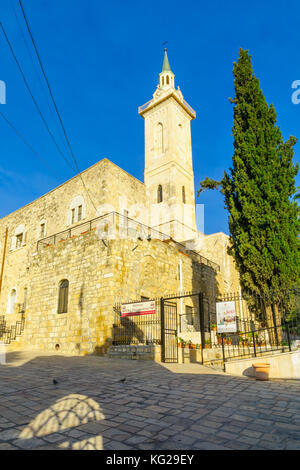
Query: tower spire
166,77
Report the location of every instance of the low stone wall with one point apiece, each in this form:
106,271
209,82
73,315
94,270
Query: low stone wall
143,352
187,355
282,366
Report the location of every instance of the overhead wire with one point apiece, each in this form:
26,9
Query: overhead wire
54,102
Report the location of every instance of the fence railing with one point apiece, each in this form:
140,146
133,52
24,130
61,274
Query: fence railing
118,226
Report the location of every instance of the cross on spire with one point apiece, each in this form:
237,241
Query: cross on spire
165,44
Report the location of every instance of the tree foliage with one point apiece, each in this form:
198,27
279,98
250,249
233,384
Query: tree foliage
258,190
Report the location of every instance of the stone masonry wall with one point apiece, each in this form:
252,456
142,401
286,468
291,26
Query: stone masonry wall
99,277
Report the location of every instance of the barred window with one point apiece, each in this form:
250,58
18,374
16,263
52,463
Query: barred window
63,296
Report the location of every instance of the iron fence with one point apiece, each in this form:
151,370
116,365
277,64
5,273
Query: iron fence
140,329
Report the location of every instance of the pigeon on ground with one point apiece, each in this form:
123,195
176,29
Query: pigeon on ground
55,382
123,380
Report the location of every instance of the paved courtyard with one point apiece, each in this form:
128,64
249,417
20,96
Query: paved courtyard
159,407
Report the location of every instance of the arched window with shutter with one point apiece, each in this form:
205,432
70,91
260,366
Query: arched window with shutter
63,296
159,193
159,138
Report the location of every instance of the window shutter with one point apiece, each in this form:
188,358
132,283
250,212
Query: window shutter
13,242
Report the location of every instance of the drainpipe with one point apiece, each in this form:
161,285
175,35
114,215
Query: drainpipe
181,291
3,258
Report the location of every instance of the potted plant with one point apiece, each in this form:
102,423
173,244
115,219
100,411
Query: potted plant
214,326
207,344
181,343
198,346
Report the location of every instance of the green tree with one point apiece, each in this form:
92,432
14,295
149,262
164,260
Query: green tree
258,191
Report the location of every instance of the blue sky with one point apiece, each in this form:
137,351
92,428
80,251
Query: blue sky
103,59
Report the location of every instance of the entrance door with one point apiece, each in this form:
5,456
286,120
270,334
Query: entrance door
169,322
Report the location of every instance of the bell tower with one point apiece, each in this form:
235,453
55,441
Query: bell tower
169,176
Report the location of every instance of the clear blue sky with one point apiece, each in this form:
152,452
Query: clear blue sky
103,59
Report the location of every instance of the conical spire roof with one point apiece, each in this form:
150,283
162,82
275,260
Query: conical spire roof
166,66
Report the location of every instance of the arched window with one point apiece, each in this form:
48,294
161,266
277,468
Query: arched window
183,194
162,81
19,238
159,137
159,193
11,301
63,296
76,211
168,81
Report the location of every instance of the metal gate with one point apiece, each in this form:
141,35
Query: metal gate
169,324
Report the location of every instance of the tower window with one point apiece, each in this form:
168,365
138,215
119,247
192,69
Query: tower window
79,213
43,230
183,194
19,240
167,78
159,194
159,138
63,296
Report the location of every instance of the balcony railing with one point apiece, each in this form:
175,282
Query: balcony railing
116,226
144,106
189,108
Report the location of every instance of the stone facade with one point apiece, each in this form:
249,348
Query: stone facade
53,239
99,277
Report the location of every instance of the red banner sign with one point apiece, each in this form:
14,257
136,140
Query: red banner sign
138,308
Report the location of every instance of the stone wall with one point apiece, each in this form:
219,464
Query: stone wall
110,189
99,277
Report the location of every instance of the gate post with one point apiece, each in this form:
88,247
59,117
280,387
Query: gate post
201,314
162,328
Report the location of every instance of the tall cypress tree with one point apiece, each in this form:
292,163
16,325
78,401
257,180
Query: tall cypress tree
258,188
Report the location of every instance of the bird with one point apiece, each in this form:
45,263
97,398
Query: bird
123,380
55,382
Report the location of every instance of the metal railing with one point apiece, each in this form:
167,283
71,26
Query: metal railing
10,333
144,106
189,108
113,226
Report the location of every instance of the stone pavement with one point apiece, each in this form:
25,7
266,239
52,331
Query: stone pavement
160,407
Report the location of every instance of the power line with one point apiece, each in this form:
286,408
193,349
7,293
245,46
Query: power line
53,101
29,146
31,94
30,56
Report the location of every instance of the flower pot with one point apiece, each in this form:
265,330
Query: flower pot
192,346
261,370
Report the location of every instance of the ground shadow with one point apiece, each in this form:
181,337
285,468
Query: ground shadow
100,403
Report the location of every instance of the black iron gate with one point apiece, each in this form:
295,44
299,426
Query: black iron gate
160,328
169,325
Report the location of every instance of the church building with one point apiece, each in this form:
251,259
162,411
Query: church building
104,237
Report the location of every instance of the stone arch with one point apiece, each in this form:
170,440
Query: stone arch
12,298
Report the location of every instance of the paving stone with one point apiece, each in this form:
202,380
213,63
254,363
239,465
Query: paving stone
158,408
